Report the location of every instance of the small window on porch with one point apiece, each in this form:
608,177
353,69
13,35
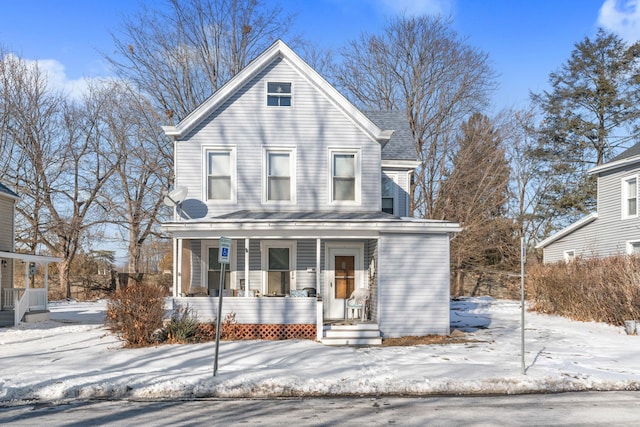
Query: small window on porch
214,269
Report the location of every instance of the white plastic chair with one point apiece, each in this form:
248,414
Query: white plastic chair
359,300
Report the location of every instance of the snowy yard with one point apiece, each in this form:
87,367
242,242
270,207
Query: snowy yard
74,356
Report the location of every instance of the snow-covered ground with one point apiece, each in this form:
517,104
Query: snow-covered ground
74,356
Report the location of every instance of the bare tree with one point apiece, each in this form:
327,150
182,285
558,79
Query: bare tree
59,163
528,184
475,194
134,197
181,51
421,66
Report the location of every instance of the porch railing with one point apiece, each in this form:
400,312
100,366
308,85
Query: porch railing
22,300
9,296
37,299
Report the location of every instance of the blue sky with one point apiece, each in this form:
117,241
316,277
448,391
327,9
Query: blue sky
525,40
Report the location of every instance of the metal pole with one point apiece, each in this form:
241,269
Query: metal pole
523,255
218,325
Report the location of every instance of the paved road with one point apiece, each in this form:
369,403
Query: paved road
579,409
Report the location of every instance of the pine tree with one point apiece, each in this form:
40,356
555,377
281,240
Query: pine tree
590,113
475,194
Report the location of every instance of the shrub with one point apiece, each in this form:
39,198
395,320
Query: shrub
602,290
182,327
229,329
135,313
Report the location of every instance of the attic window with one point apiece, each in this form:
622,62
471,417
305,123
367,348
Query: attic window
278,94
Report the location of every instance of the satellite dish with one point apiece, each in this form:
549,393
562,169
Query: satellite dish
176,196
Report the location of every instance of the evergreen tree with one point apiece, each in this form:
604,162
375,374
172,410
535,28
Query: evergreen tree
590,113
475,194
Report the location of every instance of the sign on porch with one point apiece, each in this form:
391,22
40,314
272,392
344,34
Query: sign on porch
225,250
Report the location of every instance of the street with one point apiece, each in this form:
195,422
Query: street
589,408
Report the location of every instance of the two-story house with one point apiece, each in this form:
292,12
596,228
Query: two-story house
615,228
314,195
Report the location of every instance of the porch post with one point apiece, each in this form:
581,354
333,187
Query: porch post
178,276
26,275
174,243
246,268
46,285
318,248
319,307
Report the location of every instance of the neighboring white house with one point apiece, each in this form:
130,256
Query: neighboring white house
18,303
314,195
615,228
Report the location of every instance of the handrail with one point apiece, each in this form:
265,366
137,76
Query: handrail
21,306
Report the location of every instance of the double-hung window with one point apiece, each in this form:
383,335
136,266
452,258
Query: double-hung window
278,94
280,174
630,197
220,167
389,196
345,175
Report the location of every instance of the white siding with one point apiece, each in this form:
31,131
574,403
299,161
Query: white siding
268,311
245,122
413,284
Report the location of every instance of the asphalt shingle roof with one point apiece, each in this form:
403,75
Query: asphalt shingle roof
401,145
629,152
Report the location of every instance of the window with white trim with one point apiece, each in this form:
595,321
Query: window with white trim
389,193
569,255
278,265
212,269
345,176
279,94
280,175
630,197
633,247
220,179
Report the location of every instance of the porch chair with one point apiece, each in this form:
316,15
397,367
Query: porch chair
359,300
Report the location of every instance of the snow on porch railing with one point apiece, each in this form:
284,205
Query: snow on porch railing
10,294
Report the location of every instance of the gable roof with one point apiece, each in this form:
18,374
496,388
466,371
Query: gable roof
6,191
277,50
629,156
568,230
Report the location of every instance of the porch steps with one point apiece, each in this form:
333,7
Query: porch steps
6,318
352,334
34,316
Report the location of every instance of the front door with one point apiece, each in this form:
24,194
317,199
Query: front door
344,275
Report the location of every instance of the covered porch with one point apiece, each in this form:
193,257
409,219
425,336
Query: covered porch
18,302
281,271
301,268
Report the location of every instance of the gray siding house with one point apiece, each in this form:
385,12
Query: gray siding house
314,195
615,228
